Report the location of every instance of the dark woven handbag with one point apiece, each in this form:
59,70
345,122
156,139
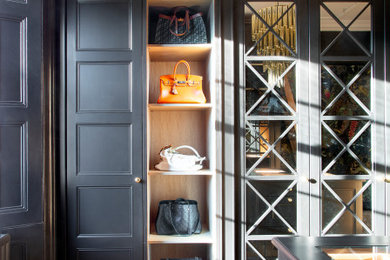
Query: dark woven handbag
187,29
178,217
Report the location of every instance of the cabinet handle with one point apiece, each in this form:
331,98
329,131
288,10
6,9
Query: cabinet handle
137,179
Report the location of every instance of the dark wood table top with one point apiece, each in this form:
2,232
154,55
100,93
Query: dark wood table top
309,248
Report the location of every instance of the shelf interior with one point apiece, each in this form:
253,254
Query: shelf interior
184,173
205,237
169,107
166,52
171,187
176,129
162,251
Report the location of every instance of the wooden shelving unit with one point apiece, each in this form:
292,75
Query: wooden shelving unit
182,124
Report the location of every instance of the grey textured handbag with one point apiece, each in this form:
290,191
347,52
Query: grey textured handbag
178,217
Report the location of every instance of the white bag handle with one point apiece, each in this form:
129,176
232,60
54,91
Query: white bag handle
200,159
188,147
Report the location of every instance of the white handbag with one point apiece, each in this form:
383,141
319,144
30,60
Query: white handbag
171,160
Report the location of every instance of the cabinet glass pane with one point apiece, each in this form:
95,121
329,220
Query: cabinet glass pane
346,88
270,147
270,88
261,249
354,217
345,28
261,219
270,28
337,159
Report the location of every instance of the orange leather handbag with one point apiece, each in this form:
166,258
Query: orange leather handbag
180,88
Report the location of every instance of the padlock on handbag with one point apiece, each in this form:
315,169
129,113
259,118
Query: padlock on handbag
181,88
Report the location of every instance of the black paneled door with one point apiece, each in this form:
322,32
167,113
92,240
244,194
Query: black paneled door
21,128
104,130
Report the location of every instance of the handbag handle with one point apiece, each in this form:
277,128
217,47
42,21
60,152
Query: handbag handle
188,69
186,21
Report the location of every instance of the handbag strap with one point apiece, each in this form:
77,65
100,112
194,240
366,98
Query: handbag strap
175,19
188,69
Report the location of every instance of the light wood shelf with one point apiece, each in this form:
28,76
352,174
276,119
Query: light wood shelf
205,237
175,52
182,124
200,172
169,107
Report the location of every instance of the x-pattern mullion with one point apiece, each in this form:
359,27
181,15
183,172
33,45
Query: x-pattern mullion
254,138
261,157
255,250
271,207
346,147
346,88
345,30
270,88
270,147
270,29
346,207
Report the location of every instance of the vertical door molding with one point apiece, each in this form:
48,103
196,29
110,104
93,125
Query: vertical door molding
228,124
315,116
303,120
379,126
387,96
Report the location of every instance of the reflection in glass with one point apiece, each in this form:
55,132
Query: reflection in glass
356,16
346,12
331,207
272,223
258,134
264,248
346,164
358,253
270,104
281,18
346,104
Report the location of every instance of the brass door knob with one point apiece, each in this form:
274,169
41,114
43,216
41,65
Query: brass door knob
311,180
137,179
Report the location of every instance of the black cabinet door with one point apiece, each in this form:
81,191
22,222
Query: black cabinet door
104,129
21,149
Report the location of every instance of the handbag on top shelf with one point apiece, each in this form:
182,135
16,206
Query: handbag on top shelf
181,88
187,29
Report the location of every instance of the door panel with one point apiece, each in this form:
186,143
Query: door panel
104,130
21,127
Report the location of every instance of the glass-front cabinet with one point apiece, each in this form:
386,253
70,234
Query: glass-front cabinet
312,136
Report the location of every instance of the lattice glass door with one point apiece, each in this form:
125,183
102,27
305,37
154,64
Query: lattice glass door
309,123
346,118
271,174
